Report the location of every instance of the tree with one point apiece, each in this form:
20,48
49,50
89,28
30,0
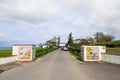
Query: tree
101,37
70,39
54,39
98,36
52,42
84,41
40,45
90,39
109,38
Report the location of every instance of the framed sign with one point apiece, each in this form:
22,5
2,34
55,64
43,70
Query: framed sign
24,53
92,53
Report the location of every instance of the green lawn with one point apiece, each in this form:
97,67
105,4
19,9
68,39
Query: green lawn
5,53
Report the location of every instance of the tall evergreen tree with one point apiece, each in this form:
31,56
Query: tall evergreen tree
70,39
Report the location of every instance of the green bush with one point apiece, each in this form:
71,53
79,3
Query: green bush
117,41
75,51
74,45
109,44
42,51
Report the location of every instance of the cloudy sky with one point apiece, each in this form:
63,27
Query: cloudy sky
35,21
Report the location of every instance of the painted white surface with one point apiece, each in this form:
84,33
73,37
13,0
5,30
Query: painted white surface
111,58
44,46
15,50
7,59
103,49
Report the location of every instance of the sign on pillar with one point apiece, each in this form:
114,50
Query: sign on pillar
24,52
91,53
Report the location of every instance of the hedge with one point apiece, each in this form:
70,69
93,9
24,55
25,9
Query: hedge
42,51
109,44
75,51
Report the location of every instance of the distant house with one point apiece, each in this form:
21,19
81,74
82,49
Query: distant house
62,44
77,41
45,46
82,41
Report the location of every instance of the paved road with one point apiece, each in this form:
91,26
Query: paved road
60,65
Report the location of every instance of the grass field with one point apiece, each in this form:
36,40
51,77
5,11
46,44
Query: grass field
113,51
5,53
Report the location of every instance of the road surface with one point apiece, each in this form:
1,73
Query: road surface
61,65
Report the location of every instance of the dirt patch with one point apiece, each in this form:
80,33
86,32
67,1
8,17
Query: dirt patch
11,65
1,71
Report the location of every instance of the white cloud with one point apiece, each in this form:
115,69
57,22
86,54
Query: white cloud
31,11
9,38
59,17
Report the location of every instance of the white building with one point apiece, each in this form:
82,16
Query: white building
45,46
62,44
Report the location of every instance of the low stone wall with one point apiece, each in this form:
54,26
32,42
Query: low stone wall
110,58
5,60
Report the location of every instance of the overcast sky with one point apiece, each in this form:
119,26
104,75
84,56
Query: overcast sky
35,21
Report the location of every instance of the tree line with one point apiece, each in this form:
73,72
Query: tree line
98,37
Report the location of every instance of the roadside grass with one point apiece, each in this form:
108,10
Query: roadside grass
5,53
42,51
75,54
113,51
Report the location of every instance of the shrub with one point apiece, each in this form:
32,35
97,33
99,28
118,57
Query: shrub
109,44
41,51
75,50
